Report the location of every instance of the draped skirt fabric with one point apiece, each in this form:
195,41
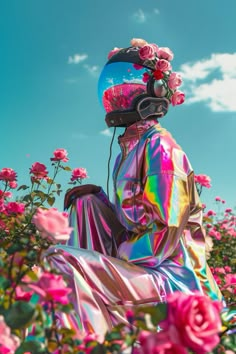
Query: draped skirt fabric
103,286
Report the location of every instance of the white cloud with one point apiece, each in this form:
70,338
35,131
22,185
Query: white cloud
77,58
81,136
140,16
71,81
106,132
92,69
212,81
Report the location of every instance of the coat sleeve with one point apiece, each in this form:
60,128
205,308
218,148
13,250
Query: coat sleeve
166,203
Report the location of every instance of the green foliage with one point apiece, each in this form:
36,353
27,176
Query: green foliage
19,314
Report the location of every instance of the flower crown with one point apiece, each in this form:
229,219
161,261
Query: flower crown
157,62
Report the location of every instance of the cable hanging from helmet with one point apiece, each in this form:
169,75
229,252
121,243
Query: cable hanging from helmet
109,160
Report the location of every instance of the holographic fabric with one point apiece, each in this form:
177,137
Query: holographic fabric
147,244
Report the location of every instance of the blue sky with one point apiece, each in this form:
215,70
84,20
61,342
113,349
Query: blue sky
51,54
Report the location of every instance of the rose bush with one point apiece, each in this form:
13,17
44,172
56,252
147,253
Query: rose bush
33,295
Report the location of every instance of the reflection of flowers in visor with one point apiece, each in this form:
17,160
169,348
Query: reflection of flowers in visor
119,85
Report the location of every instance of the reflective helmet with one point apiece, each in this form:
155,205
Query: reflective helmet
133,87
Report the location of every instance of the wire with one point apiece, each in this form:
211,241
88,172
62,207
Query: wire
109,160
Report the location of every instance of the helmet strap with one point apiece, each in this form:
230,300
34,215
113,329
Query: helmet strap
146,108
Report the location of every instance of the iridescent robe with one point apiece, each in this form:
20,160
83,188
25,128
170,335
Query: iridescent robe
147,244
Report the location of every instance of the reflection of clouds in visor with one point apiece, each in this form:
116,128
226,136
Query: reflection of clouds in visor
119,84
134,81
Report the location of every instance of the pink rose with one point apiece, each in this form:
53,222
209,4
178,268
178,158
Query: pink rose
174,81
155,47
52,287
145,77
159,343
7,174
78,174
177,98
39,170
2,225
15,208
138,42
214,233
228,210
203,180
230,279
147,52
12,184
220,270
211,213
60,155
23,295
113,52
8,342
52,224
217,199
5,194
165,53
158,74
193,321
163,65
228,269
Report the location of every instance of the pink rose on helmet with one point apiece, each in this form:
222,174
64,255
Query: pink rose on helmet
113,52
193,321
78,174
163,65
177,98
174,80
8,342
165,53
52,224
60,155
52,287
138,42
155,47
147,52
7,174
39,170
158,74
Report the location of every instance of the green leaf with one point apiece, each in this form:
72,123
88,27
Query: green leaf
19,314
27,198
158,312
15,247
51,200
99,349
66,168
31,346
4,283
31,255
24,187
49,181
41,195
